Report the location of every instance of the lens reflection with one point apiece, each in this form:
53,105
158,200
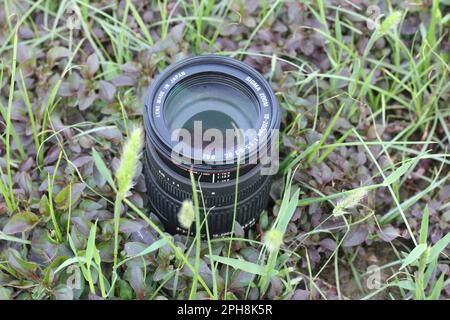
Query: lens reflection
216,100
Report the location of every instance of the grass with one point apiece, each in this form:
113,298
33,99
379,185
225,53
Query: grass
9,125
364,152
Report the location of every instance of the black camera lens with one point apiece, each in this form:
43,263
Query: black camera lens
209,115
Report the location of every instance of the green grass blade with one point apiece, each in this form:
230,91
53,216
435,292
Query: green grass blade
414,255
102,168
240,264
439,247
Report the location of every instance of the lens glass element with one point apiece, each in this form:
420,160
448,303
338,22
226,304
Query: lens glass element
214,99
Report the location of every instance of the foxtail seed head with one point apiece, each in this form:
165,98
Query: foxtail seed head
130,156
353,199
186,215
273,240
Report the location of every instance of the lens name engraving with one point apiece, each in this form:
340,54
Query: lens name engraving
264,100
177,76
253,83
216,147
159,100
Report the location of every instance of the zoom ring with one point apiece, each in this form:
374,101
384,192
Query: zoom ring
220,219
221,198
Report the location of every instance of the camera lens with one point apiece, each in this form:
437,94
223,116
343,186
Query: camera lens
214,117
216,100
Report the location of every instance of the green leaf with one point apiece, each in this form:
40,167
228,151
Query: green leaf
424,226
102,168
6,293
355,75
436,293
430,271
12,239
287,211
153,247
394,176
97,257
406,284
240,264
230,296
125,291
44,206
326,133
90,247
414,255
311,148
439,247
390,22
287,207
69,262
64,197
19,264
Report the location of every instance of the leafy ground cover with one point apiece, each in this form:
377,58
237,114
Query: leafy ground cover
360,206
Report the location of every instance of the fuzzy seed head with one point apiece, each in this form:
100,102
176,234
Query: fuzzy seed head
186,215
390,22
130,157
273,240
353,199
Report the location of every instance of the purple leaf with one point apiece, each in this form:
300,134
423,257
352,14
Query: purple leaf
355,237
111,133
86,101
57,53
328,244
21,265
130,67
92,64
300,294
26,165
134,248
21,222
123,81
52,155
136,280
106,90
129,226
177,32
389,233
23,53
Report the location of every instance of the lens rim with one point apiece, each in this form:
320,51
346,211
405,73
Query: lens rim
155,123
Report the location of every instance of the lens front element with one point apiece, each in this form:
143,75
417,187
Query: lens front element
217,101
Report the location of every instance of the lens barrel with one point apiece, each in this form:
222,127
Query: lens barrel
220,95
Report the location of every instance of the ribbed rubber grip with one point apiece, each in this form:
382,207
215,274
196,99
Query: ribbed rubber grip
220,218
181,189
